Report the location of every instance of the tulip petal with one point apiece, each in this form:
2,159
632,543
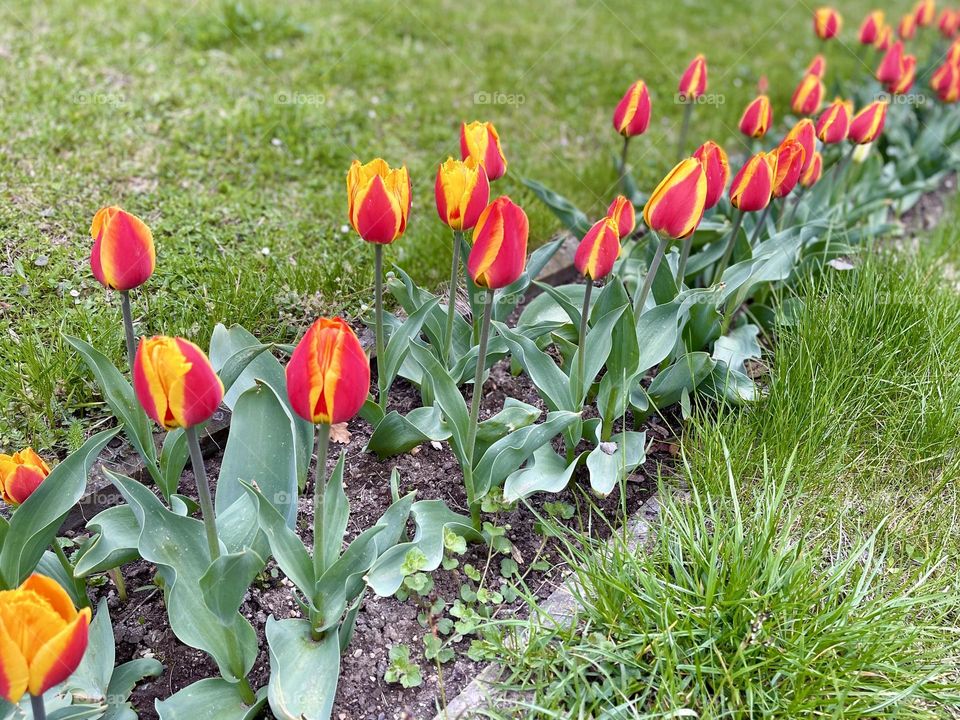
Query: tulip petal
14,671
200,391
123,255
59,657
377,215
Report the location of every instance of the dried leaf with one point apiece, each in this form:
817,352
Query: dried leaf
340,434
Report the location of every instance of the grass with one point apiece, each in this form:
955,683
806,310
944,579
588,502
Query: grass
813,569
229,126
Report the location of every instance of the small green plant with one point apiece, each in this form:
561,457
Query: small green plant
402,669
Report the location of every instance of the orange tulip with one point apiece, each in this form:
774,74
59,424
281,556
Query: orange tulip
884,38
716,168
805,134
789,158
42,638
826,23
499,253
870,27
632,114
891,65
676,206
621,211
175,383
123,256
752,187
867,124
462,192
693,82
598,250
907,27
924,12
378,200
907,77
21,474
834,122
757,117
328,376
480,140
817,66
949,23
808,95
814,170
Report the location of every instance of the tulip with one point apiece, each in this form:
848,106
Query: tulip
693,84
673,211
953,53
891,65
805,134
789,160
20,475
871,26
907,27
867,124
177,387
813,172
826,23
834,122
122,258
621,211
632,115
808,95
817,66
750,191
757,117
924,12
949,23
907,77
945,80
884,38
717,170
42,640
480,140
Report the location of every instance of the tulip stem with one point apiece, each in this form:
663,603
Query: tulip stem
452,301
788,215
584,320
731,243
641,298
475,409
684,129
128,328
760,223
319,495
246,692
117,576
203,493
378,300
78,584
684,256
623,162
36,704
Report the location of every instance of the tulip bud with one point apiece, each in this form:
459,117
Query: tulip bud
328,376
480,140
499,253
924,12
752,187
808,96
175,383
693,82
907,27
378,200
891,65
621,211
757,117
21,474
632,115
949,23
676,206
804,133
42,638
884,39
123,256
817,66
598,250
867,124
871,26
861,153
826,22
953,53
834,122
716,168
946,81
814,170
462,192
907,77
789,159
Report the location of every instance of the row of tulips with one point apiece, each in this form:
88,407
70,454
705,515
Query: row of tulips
650,311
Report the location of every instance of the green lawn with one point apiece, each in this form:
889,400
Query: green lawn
229,127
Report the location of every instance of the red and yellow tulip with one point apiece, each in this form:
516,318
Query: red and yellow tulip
891,65
462,192
953,52
817,66
378,200
175,383
752,187
123,256
808,96
757,117
622,212
328,376
814,171
834,122
693,82
949,23
907,27
867,124
598,250
499,253
884,39
716,169
827,23
870,27
907,77
924,12
480,140
632,114
42,638
946,82
804,133
788,161
21,474
676,206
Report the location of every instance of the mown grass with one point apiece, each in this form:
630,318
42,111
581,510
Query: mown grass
229,127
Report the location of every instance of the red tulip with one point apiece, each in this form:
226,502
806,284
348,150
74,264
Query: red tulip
884,39
907,27
946,82
676,206
805,134
632,115
693,82
378,200
814,170
907,77
20,475
867,124
752,187
808,95
924,12
891,65
499,253
949,23
817,66
598,250
826,22
462,192
871,26
480,140
621,211
123,256
834,122
716,168
757,117
789,159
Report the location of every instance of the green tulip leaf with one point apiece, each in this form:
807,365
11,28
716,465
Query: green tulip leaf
226,581
399,344
574,219
445,394
550,381
173,459
303,672
506,299
544,472
514,415
610,461
342,582
115,532
397,434
197,701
